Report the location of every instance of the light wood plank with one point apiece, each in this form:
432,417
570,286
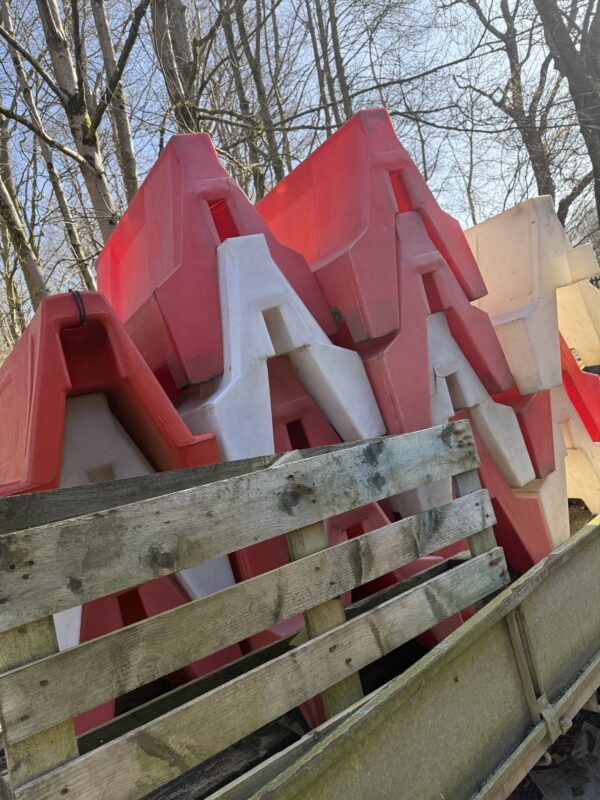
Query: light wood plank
160,705
21,511
54,746
162,750
183,694
54,567
324,616
136,654
467,483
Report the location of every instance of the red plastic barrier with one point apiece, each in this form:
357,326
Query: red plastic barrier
583,389
159,272
298,423
386,257
520,525
534,414
339,209
63,354
58,357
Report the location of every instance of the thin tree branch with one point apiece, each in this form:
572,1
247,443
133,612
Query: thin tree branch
566,202
33,61
39,132
115,79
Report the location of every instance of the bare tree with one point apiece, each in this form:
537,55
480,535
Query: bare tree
573,36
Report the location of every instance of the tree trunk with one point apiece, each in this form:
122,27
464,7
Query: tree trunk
175,82
339,61
319,67
324,42
582,71
261,93
85,138
117,107
32,272
72,235
258,174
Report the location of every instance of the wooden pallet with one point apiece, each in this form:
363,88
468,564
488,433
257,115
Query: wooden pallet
59,549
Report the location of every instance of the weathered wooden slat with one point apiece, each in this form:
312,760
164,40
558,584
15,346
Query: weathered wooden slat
465,484
244,787
136,654
54,567
160,705
154,708
228,765
21,511
18,512
173,744
325,615
56,745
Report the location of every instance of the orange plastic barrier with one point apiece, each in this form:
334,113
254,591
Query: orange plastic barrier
386,258
534,414
520,523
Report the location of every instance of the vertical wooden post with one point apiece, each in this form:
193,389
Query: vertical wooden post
32,757
304,542
467,483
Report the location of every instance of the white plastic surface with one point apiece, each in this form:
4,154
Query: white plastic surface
524,256
583,455
262,317
95,448
551,492
456,386
579,320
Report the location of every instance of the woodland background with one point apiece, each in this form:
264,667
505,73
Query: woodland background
496,100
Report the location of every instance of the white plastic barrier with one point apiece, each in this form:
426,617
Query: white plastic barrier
583,455
551,492
456,386
579,320
97,448
262,317
524,255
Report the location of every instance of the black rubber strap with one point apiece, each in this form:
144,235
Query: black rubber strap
80,306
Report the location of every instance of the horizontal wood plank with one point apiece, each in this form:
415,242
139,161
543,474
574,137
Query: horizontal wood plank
21,511
135,655
54,567
130,767
179,695
40,753
202,781
183,694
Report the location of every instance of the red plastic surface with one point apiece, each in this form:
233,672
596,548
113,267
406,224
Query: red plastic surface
583,389
520,525
59,357
386,256
159,270
56,358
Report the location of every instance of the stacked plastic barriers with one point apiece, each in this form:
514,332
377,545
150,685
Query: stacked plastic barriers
344,305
